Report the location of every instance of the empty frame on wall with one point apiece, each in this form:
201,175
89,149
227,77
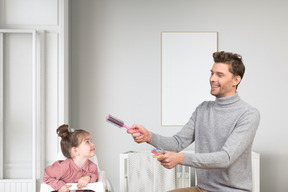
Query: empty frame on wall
186,64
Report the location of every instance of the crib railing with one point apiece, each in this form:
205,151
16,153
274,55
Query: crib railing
183,174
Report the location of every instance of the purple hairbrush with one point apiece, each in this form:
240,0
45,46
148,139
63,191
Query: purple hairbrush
118,122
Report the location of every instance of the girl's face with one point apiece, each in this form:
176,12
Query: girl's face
86,148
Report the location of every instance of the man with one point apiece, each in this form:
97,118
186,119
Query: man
223,131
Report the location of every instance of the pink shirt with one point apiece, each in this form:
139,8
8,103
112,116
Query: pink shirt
62,172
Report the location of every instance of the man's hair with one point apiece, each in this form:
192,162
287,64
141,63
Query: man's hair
237,67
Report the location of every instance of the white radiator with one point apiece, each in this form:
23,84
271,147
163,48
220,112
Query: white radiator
183,174
15,185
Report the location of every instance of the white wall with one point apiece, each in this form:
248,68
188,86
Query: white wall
116,67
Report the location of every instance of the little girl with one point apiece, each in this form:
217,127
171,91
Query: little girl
77,147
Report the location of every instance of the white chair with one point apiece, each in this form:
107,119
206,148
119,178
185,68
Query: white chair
102,185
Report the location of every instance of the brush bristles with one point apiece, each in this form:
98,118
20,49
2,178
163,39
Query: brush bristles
115,121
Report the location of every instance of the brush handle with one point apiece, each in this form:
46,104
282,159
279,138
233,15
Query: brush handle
125,126
129,128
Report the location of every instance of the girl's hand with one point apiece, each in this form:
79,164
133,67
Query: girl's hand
83,182
64,188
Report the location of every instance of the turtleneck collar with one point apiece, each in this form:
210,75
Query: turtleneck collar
228,100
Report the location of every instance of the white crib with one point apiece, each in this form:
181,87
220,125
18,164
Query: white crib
184,174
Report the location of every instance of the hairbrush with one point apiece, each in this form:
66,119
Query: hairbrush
118,122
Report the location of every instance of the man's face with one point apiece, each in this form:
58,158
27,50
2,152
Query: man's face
222,81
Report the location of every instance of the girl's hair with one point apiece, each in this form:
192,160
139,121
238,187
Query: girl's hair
70,138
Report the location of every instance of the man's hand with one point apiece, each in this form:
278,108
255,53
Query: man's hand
170,159
140,134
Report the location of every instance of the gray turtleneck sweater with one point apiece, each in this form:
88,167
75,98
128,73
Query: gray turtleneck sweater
223,131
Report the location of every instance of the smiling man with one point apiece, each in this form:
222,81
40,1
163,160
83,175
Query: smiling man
226,74
223,131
